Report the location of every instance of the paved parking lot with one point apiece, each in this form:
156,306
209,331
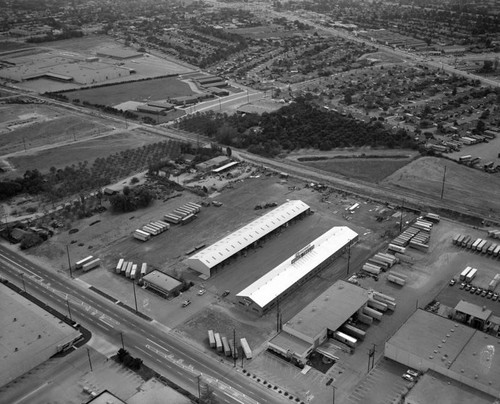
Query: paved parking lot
382,385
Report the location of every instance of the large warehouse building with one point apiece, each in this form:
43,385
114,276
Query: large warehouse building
428,341
319,320
29,335
209,260
262,295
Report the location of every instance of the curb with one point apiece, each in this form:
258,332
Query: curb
273,387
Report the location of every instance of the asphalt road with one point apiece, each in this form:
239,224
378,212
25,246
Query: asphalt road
153,342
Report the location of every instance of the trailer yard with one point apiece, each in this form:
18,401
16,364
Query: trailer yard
426,272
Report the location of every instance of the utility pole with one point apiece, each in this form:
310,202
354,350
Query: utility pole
24,143
69,310
69,262
401,217
199,389
135,297
234,347
248,98
371,358
348,256
334,390
121,337
444,179
90,362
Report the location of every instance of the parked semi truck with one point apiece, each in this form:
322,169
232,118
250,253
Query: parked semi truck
81,263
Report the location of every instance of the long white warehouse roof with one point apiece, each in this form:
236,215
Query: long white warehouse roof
245,236
278,280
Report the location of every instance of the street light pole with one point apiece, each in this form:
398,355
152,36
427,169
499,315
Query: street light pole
24,284
90,362
121,337
135,296
333,396
69,310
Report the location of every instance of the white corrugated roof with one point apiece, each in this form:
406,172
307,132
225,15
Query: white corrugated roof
231,244
276,281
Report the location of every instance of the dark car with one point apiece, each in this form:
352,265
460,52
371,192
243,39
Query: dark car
226,292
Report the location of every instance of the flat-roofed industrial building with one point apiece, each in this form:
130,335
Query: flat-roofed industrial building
261,296
212,258
162,283
319,320
29,335
433,387
428,341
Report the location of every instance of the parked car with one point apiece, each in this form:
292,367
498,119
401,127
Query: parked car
479,291
468,287
473,289
412,373
489,295
452,282
462,285
186,303
495,296
217,203
201,292
226,292
406,376
484,292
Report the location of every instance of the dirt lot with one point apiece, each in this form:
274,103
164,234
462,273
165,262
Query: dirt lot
32,126
463,185
143,91
89,150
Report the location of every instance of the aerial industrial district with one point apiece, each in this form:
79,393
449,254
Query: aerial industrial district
311,214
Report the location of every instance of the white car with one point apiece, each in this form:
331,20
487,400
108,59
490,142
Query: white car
406,376
412,373
201,292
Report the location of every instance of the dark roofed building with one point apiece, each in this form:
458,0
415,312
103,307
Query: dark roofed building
162,283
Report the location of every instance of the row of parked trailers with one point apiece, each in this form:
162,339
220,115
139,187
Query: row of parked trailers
88,263
477,244
227,346
494,233
184,214
378,303
380,262
131,270
151,229
416,236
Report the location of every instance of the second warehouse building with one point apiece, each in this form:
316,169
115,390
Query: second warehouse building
261,296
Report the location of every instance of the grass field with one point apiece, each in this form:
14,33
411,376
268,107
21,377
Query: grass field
89,150
463,185
366,169
142,91
6,46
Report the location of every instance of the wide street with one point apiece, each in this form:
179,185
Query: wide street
155,343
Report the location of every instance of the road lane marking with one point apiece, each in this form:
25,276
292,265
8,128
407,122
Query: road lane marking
162,347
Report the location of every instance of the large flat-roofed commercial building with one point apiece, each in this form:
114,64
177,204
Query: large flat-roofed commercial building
162,283
428,341
436,388
319,320
262,295
29,335
209,260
